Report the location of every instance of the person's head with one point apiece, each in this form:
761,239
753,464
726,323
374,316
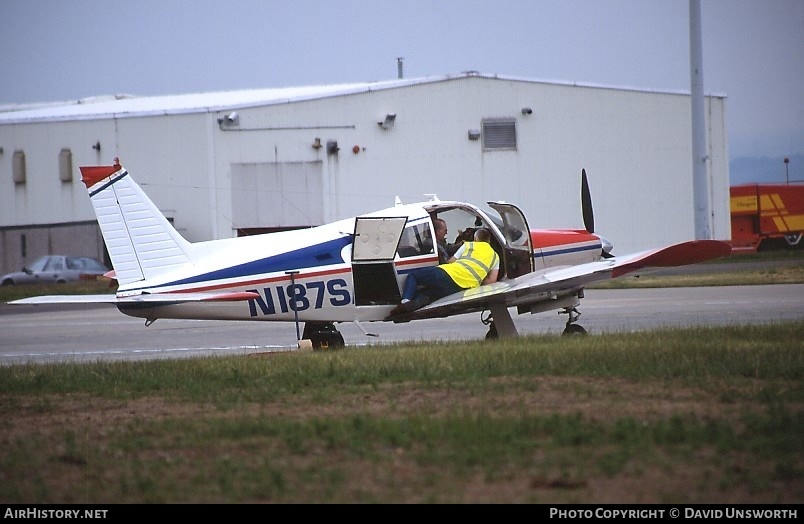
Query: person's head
466,235
440,229
482,235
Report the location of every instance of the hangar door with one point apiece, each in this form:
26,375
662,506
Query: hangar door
277,195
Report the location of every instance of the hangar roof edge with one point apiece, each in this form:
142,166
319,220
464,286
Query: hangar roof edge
127,106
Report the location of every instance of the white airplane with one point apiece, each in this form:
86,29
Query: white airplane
351,270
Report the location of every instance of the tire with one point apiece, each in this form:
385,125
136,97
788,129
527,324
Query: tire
574,329
323,335
327,341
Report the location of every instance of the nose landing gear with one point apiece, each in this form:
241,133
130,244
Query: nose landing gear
571,328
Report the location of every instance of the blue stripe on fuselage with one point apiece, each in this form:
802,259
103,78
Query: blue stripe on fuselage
319,255
543,254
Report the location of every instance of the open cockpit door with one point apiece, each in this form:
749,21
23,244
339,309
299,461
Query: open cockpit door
518,256
375,243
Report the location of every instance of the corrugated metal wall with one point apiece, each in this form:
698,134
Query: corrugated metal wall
635,146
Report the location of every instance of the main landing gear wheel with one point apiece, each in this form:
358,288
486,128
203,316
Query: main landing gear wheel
323,335
572,328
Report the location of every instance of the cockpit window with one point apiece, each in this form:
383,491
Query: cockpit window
458,222
416,240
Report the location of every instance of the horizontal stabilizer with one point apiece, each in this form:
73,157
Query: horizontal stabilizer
68,299
176,298
154,299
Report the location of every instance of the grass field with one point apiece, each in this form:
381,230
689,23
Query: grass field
699,415
704,415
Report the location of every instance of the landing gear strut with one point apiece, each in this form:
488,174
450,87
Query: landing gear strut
571,327
488,320
501,325
323,335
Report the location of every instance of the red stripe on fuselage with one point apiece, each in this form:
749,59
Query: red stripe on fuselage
408,262
550,238
234,296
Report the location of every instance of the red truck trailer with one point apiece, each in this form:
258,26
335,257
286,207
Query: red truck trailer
766,216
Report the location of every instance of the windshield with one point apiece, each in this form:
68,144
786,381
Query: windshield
92,264
458,221
38,265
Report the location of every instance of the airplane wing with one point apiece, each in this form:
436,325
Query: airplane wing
153,299
552,283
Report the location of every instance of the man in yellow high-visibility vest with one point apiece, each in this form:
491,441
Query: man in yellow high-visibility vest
475,263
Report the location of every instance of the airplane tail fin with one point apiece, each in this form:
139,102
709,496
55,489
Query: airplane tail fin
141,242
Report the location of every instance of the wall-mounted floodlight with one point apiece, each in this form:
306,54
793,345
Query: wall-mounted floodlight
527,111
230,120
332,147
388,123
474,134
96,146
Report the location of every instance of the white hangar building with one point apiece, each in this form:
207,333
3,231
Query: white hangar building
238,162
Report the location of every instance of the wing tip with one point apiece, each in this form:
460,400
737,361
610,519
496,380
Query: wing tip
682,254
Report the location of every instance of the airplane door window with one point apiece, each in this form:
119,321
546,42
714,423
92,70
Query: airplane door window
416,240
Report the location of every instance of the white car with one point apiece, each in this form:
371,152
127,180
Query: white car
56,269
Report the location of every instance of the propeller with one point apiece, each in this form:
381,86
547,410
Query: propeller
589,216
586,204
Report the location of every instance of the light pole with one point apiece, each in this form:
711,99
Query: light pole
786,174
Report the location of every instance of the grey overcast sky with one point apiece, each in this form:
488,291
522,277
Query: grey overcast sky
753,50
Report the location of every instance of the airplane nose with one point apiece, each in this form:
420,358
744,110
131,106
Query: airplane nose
607,246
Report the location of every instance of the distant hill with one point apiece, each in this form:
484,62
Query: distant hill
763,170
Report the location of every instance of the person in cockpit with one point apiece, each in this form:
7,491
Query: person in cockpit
473,264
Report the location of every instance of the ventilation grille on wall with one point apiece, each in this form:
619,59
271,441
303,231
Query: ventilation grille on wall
499,133
65,165
18,166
